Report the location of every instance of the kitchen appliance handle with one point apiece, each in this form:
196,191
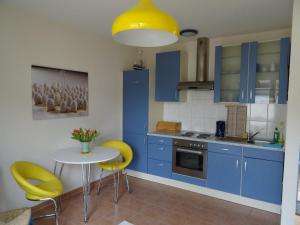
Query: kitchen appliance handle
189,151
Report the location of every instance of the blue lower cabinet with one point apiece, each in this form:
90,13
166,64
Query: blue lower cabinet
160,152
160,140
224,172
188,179
138,143
159,168
262,180
225,149
258,153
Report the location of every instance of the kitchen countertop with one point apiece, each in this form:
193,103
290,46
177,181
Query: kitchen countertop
212,139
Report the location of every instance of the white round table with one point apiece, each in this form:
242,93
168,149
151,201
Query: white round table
74,156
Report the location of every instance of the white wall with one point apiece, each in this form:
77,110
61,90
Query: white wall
200,113
293,125
25,40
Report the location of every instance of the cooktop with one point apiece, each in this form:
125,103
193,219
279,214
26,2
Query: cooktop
195,135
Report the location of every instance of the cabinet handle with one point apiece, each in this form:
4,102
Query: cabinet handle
242,94
161,148
245,166
225,149
251,94
161,164
161,141
237,163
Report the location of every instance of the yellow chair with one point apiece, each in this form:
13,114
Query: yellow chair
38,183
117,165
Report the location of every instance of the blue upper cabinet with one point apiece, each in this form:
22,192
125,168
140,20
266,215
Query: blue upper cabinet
167,76
261,76
218,74
284,70
135,101
244,73
252,67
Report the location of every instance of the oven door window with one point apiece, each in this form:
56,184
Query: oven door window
189,161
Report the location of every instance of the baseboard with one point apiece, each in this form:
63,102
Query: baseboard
209,192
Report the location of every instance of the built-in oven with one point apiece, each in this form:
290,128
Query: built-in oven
190,158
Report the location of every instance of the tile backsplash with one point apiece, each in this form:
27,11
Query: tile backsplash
200,113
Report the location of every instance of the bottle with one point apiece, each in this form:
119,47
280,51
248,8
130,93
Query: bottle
281,139
276,135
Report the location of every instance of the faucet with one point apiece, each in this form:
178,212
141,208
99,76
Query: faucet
251,136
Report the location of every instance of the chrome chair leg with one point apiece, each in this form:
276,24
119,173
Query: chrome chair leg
127,181
115,184
55,214
59,204
116,176
100,179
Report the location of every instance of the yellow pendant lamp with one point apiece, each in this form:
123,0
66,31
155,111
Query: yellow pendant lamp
145,25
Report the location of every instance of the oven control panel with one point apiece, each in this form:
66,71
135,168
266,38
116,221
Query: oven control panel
190,144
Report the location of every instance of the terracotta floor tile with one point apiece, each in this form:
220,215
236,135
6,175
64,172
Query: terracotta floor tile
156,204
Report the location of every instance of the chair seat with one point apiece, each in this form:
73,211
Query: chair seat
112,166
125,152
53,187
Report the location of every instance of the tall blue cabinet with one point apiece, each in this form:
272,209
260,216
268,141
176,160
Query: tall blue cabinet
135,115
253,72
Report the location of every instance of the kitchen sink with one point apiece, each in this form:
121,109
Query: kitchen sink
260,142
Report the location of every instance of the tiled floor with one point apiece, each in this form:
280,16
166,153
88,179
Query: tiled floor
155,204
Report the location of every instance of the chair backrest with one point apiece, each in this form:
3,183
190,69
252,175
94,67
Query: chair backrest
23,171
125,149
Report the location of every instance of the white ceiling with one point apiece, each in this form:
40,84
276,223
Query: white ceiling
211,17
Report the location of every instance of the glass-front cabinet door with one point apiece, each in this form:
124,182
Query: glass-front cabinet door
252,72
267,72
271,80
227,73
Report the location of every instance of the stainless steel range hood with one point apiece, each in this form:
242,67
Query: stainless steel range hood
201,81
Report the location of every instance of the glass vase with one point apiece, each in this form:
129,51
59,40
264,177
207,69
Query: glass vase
85,147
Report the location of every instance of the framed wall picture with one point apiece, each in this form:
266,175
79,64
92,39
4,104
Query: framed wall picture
58,93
